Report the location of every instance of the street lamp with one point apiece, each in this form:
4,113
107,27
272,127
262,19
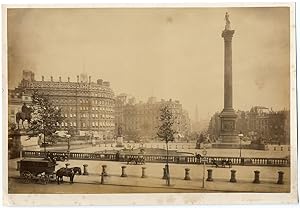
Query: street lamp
68,139
204,152
241,136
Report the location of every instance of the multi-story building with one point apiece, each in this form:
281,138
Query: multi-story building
142,119
87,106
258,119
259,123
279,127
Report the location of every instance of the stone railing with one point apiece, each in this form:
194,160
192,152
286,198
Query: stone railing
163,158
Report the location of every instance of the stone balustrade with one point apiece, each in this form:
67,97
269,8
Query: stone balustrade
163,158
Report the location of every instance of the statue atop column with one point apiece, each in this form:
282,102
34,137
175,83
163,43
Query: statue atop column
227,26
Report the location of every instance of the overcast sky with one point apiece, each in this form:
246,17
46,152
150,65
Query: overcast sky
166,53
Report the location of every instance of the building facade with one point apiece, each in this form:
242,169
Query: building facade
141,120
87,106
260,122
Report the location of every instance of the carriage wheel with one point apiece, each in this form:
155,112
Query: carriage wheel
52,177
26,177
44,179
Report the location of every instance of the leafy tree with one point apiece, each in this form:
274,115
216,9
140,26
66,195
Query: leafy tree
166,132
46,117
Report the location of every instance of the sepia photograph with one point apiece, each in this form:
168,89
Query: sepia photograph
187,101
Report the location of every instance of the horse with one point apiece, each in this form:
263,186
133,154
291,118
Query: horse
228,162
23,116
68,172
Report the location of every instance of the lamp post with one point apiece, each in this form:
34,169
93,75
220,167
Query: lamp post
240,136
68,140
204,152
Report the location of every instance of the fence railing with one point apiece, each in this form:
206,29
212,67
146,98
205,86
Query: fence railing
163,158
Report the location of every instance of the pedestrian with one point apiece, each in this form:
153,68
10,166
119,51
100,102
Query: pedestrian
117,156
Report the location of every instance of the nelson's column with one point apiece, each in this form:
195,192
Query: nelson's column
228,134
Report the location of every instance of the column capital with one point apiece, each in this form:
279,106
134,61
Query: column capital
227,34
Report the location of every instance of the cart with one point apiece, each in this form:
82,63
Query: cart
37,170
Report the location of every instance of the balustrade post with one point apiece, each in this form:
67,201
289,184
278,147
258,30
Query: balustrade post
280,177
187,174
123,171
85,172
164,173
256,177
104,170
209,175
143,172
232,178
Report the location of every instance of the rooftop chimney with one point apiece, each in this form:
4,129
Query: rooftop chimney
68,79
51,79
42,78
59,79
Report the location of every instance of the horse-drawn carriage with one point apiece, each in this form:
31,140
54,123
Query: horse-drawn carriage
222,163
43,171
37,170
137,160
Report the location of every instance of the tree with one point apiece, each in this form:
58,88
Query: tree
46,117
166,132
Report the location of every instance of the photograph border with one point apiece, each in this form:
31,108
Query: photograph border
165,198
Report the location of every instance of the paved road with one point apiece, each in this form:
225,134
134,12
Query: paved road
90,188
154,183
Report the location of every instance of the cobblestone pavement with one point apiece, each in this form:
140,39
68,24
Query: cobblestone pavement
154,182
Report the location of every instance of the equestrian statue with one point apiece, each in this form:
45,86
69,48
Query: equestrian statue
25,114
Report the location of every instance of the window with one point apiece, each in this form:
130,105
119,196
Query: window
71,115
